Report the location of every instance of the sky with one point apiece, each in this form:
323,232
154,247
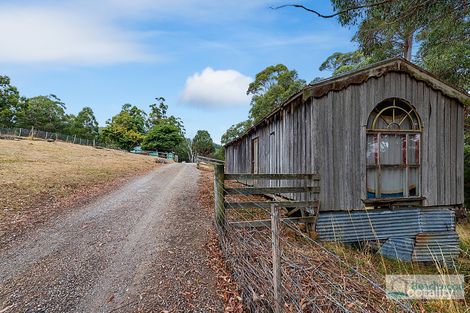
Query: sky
200,55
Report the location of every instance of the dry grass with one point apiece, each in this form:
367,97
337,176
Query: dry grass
37,174
379,266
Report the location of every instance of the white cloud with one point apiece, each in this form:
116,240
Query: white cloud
33,35
216,88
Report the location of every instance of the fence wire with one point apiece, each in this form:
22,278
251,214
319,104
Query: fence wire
44,135
314,279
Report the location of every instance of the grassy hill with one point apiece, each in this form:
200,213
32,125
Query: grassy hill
37,175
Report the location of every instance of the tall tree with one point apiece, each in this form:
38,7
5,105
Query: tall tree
46,113
10,102
163,137
84,125
185,150
158,115
235,131
391,28
126,129
272,86
202,143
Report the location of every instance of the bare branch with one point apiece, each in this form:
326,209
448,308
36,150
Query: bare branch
300,6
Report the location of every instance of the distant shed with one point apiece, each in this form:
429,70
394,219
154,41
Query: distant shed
389,134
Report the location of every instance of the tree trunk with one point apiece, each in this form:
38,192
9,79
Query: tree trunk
408,46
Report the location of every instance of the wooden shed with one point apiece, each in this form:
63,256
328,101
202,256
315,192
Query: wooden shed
389,135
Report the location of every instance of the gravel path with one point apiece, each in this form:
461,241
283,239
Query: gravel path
139,248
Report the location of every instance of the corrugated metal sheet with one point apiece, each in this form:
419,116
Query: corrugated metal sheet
436,220
398,248
436,247
382,224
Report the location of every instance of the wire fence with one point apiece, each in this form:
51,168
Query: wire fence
311,277
11,133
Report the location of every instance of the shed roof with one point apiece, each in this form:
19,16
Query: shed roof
340,82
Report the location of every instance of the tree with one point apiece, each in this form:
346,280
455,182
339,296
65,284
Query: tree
202,143
343,62
271,88
162,137
84,125
158,115
445,49
391,28
126,129
185,150
235,131
10,102
219,152
46,113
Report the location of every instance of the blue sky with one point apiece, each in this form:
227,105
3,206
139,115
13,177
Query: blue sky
199,55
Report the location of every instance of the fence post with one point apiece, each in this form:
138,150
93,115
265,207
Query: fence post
219,195
32,132
276,252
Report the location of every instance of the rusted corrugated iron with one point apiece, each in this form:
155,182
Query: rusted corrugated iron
436,247
398,248
382,224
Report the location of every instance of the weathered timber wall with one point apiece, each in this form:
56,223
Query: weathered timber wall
328,136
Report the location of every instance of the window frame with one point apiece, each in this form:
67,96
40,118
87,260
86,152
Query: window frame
377,134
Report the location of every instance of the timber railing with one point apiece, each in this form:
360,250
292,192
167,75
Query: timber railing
206,162
274,193
269,244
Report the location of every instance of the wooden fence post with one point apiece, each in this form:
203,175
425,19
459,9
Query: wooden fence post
219,195
276,252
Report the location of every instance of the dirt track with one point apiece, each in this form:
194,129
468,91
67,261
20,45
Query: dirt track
139,248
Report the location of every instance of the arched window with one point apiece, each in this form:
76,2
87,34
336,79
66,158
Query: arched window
393,150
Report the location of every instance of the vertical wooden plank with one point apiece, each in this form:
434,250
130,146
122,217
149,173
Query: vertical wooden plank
440,145
425,147
356,148
326,139
364,111
453,150
276,258
402,89
345,150
460,155
218,196
429,147
337,143
447,140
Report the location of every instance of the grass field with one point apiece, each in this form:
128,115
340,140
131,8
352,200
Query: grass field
38,174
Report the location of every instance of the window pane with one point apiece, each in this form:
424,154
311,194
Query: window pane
413,182
392,149
371,183
372,149
391,183
413,149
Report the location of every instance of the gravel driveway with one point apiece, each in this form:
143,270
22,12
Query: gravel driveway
139,248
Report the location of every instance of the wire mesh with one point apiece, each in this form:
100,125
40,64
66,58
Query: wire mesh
314,279
12,133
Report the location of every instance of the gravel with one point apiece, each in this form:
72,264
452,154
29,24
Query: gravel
140,248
